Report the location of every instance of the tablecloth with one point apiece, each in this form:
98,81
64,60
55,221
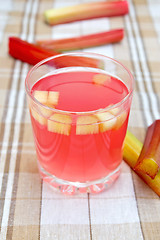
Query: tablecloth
29,209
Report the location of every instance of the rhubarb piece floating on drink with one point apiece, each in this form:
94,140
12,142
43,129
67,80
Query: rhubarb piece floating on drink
87,125
41,96
60,123
48,98
53,98
107,121
101,79
121,116
38,117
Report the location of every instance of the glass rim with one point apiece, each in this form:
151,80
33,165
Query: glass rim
96,56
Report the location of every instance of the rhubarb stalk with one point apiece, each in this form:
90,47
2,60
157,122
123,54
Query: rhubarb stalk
91,40
32,54
86,11
149,159
131,152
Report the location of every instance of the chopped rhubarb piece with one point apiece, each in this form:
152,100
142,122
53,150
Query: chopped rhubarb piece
41,96
149,159
38,117
46,112
32,54
86,11
121,116
86,41
121,119
87,125
131,152
53,97
107,121
59,123
101,78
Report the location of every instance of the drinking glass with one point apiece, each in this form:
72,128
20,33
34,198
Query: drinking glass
79,106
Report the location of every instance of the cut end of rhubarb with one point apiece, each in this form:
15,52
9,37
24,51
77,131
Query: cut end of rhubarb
149,159
87,125
59,123
148,166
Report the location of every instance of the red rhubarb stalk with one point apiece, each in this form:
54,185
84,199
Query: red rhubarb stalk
86,11
149,159
91,40
32,54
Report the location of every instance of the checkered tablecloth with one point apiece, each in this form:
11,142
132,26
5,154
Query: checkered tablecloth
29,209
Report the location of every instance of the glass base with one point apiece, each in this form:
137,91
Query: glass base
71,188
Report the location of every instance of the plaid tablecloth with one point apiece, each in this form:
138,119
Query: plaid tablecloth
29,209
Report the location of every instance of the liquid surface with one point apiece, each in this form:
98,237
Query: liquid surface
78,93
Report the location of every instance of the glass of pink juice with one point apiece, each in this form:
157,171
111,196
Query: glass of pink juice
79,106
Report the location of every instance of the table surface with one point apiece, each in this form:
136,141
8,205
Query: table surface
29,209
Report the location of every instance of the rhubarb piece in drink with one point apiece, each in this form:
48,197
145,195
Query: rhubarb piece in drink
60,123
38,117
101,79
107,121
53,98
41,96
87,125
121,116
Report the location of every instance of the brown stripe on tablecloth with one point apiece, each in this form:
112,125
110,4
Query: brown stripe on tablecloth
16,177
116,231
134,70
15,181
89,215
141,68
8,155
136,186
145,50
144,121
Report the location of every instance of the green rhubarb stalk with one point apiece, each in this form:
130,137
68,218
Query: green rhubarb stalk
149,159
131,153
86,11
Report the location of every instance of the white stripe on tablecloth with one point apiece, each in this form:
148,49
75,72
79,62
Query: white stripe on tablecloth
3,23
11,100
19,111
154,13
144,97
142,58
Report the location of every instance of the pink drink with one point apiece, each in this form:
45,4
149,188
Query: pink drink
86,150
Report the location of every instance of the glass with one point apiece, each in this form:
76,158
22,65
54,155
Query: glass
79,106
